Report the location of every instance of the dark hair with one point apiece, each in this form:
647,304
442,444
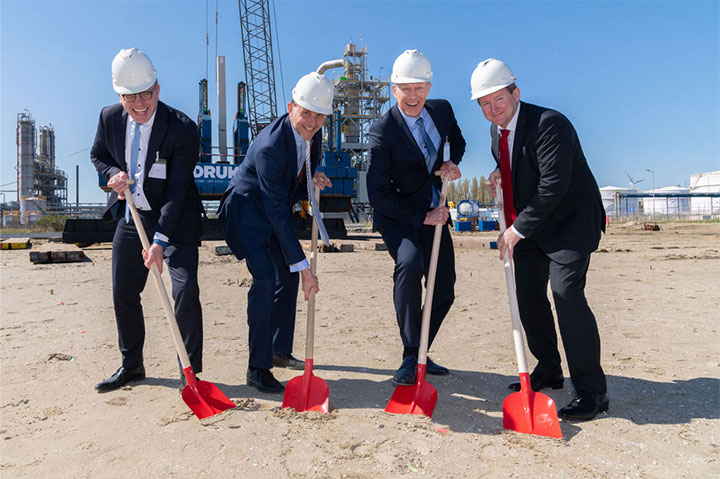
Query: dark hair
511,88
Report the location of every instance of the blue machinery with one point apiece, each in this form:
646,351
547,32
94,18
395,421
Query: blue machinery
212,178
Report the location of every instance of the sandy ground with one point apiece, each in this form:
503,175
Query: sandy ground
656,296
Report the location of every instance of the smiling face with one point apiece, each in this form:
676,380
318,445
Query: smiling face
411,97
139,109
499,107
305,122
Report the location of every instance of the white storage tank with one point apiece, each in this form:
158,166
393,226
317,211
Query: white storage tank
667,206
705,183
619,207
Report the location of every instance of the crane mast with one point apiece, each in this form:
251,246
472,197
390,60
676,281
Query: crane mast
258,58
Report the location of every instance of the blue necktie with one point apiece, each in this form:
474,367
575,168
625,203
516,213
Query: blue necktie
134,149
430,158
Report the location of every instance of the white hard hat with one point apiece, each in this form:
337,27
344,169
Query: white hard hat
132,71
411,67
490,76
314,92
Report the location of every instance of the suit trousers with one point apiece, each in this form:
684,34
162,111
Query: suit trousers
129,276
576,322
272,300
411,250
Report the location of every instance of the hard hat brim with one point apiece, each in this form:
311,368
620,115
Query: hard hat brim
402,80
487,91
315,109
122,90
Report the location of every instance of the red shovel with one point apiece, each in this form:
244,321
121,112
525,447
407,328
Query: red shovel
308,392
421,398
202,397
525,411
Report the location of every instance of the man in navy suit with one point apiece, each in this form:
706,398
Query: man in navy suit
555,217
406,150
143,140
256,210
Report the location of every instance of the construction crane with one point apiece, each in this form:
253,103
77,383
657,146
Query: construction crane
259,67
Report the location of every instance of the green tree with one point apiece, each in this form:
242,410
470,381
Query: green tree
474,190
464,189
483,194
451,191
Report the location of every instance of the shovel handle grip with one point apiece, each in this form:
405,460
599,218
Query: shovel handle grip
172,322
512,292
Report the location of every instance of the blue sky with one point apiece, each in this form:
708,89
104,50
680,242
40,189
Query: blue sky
639,80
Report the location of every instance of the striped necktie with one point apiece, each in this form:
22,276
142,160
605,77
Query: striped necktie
430,158
311,196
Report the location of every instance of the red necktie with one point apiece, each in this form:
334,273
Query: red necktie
506,176
301,175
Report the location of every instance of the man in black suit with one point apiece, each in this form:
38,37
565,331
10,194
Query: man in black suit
555,217
406,149
256,210
143,140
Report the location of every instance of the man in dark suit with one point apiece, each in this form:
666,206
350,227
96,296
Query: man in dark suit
406,150
143,140
555,217
256,210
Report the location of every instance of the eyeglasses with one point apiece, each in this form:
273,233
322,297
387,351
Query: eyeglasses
145,95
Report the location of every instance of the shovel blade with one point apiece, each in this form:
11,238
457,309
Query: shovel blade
307,392
531,412
419,399
204,398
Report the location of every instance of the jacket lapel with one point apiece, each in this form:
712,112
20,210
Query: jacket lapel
159,129
118,125
405,131
440,125
291,148
495,138
518,141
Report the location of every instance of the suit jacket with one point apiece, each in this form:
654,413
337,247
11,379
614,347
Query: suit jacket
174,200
258,202
554,192
398,182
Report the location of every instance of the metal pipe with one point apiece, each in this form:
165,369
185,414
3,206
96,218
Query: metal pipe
338,131
340,62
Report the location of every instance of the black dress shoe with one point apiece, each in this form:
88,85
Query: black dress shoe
406,375
539,381
263,380
435,369
585,406
288,361
121,377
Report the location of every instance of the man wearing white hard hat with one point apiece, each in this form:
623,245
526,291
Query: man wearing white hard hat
406,150
555,217
256,209
142,139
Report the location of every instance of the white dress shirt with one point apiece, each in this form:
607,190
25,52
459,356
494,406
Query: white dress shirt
141,202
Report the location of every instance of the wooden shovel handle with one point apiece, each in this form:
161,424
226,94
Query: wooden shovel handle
430,290
310,329
512,292
172,322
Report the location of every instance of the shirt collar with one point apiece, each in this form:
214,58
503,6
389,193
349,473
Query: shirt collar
299,140
512,126
411,120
